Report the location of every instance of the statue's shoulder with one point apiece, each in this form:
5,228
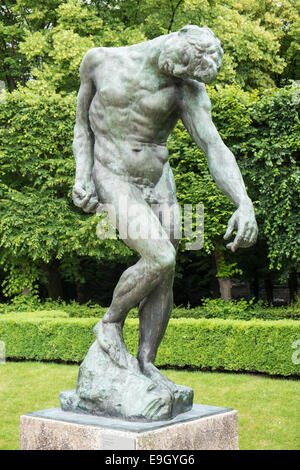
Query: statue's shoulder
92,59
194,91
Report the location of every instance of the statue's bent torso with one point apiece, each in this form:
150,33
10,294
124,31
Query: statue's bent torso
131,115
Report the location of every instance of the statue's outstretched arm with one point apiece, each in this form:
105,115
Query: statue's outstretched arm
84,194
196,116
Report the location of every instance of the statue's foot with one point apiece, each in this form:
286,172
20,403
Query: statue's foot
182,397
110,338
150,371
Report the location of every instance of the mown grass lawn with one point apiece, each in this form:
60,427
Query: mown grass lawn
269,414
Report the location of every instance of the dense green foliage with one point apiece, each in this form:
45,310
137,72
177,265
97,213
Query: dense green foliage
264,133
47,246
48,39
270,159
39,224
256,345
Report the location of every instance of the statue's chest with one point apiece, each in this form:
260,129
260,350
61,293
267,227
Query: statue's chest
159,102
141,94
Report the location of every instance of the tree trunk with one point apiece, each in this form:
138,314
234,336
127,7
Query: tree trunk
54,284
269,288
214,288
293,285
26,290
80,293
225,285
255,287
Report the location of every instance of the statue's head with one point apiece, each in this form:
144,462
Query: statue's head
192,52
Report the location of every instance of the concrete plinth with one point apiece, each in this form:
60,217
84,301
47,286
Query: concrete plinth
204,428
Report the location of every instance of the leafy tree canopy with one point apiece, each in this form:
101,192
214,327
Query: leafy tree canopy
42,44
48,39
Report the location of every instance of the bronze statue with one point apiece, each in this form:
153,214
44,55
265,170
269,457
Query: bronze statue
129,101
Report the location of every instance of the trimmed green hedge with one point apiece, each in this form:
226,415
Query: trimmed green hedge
235,345
211,308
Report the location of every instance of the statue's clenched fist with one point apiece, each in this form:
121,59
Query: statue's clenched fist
84,196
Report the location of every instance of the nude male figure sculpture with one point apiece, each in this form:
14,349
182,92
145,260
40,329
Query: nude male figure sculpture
129,101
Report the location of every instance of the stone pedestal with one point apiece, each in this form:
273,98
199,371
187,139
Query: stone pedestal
202,428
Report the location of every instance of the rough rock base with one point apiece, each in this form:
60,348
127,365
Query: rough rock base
202,428
107,388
